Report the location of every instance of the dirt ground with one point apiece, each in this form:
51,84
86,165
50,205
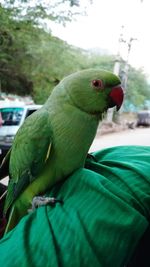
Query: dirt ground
136,136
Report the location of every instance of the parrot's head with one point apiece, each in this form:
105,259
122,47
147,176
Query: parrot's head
93,91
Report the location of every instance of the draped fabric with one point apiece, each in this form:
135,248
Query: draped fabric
105,211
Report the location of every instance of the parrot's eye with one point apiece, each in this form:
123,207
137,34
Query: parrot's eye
98,84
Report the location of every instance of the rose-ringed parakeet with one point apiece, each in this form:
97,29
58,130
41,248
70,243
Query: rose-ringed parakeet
54,141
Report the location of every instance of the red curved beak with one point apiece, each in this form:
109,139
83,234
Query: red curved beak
116,97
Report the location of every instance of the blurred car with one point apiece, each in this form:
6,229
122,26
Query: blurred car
143,118
11,118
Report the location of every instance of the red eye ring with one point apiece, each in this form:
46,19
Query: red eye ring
98,84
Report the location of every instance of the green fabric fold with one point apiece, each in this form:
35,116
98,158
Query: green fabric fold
105,211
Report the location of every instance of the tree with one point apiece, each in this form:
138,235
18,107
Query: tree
32,61
22,46
12,76
59,10
138,89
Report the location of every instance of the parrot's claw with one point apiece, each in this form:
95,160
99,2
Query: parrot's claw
39,201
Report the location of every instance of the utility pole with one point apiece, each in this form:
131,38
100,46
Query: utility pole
124,76
116,70
124,72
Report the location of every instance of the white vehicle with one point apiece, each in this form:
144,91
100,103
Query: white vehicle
11,118
143,118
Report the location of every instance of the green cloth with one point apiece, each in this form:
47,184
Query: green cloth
105,211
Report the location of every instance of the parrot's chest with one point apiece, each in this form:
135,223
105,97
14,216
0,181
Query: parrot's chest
70,147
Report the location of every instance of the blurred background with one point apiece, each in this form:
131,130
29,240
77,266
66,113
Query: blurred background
43,41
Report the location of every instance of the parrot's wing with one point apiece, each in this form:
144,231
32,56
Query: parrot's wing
30,151
4,167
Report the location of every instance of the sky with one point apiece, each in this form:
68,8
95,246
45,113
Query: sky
103,24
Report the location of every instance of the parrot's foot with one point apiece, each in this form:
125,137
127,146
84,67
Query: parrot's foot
39,201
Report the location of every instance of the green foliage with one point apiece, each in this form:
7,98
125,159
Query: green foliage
33,61
12,55
101,61
138,89
29,57
34,11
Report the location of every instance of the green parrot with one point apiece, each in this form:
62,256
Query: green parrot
54,141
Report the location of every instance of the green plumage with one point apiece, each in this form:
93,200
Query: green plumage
54,141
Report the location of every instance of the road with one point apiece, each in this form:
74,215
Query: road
138,136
